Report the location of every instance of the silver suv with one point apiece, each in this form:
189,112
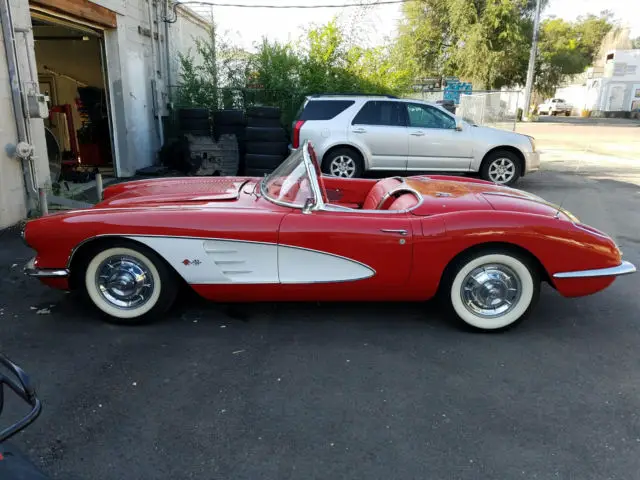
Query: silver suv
356,133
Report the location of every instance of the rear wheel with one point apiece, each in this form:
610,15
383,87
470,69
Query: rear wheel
491,290
343,162
129,283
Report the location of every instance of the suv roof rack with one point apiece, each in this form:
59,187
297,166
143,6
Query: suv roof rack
351,95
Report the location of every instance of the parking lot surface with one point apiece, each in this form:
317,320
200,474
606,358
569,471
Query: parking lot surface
376,391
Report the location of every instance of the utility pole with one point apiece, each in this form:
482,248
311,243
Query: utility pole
532,61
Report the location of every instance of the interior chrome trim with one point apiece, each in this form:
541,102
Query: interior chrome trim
625,268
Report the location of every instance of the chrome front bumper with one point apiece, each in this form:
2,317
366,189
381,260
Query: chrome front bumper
31,270
625,268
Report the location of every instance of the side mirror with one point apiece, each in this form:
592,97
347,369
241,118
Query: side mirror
308,206
19,383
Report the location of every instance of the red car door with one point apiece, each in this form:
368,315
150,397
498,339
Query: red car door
371,251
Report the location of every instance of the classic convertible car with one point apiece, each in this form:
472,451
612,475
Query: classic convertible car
297,235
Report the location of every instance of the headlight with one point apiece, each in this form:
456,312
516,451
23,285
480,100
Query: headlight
532,141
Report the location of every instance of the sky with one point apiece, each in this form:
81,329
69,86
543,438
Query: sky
246,26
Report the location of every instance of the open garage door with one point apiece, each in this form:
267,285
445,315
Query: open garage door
70,58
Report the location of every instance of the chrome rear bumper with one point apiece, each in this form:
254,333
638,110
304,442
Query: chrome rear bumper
31,270
625,268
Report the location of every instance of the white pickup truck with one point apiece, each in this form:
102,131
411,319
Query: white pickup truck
554,106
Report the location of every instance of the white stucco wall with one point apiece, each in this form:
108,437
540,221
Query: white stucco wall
131,79
131,76
182,40
12,193
13,206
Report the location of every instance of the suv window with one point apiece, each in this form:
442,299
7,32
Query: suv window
424,116
324,109
377,112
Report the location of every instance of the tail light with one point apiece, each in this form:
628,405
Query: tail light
296,133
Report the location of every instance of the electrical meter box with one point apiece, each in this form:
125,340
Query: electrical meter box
38,105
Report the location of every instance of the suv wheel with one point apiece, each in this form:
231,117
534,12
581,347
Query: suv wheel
343,162
501,167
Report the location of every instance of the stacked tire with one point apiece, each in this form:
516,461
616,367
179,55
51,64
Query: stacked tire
267,144
231,122
194,121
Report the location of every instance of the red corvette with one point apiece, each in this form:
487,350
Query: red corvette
297,235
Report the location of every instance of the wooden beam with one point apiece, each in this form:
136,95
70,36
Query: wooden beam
81,9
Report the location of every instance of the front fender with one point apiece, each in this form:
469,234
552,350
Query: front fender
55,238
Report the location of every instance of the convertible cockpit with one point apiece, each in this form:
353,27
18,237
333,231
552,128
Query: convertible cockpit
298,182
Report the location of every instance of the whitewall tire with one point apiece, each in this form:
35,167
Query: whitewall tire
492,290
129,283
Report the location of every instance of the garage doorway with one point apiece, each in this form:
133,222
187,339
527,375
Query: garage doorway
70,61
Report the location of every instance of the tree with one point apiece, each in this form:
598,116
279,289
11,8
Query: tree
635,43
568,48
282,74
483,41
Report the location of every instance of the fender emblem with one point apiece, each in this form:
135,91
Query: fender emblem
186,262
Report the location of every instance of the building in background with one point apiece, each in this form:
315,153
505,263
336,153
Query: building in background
612,89
106,67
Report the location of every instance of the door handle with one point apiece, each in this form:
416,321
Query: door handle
359,130
419,133
391,230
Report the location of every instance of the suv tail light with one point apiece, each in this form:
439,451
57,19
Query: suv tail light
296,133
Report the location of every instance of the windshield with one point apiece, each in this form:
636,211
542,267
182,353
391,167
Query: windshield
289,183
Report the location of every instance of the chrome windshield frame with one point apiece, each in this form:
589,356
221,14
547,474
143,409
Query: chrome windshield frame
313,177
305,159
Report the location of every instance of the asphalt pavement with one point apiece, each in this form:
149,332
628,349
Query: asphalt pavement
342,391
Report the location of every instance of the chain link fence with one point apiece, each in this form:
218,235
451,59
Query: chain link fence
499,109
427,95
491,109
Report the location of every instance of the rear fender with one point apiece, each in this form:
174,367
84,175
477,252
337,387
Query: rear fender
557,244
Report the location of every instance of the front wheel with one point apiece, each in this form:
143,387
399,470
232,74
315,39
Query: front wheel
491,290
129,283
501,167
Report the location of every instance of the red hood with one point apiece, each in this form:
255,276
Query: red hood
462,194
173,191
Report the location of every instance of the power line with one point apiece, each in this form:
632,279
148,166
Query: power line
239,5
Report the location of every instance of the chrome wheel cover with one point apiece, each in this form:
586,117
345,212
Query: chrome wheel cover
125,282
502,170
342,166
491,290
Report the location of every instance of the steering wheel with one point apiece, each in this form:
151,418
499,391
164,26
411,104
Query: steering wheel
391,196
316,166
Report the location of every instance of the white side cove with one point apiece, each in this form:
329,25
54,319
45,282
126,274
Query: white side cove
299,265
211,261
